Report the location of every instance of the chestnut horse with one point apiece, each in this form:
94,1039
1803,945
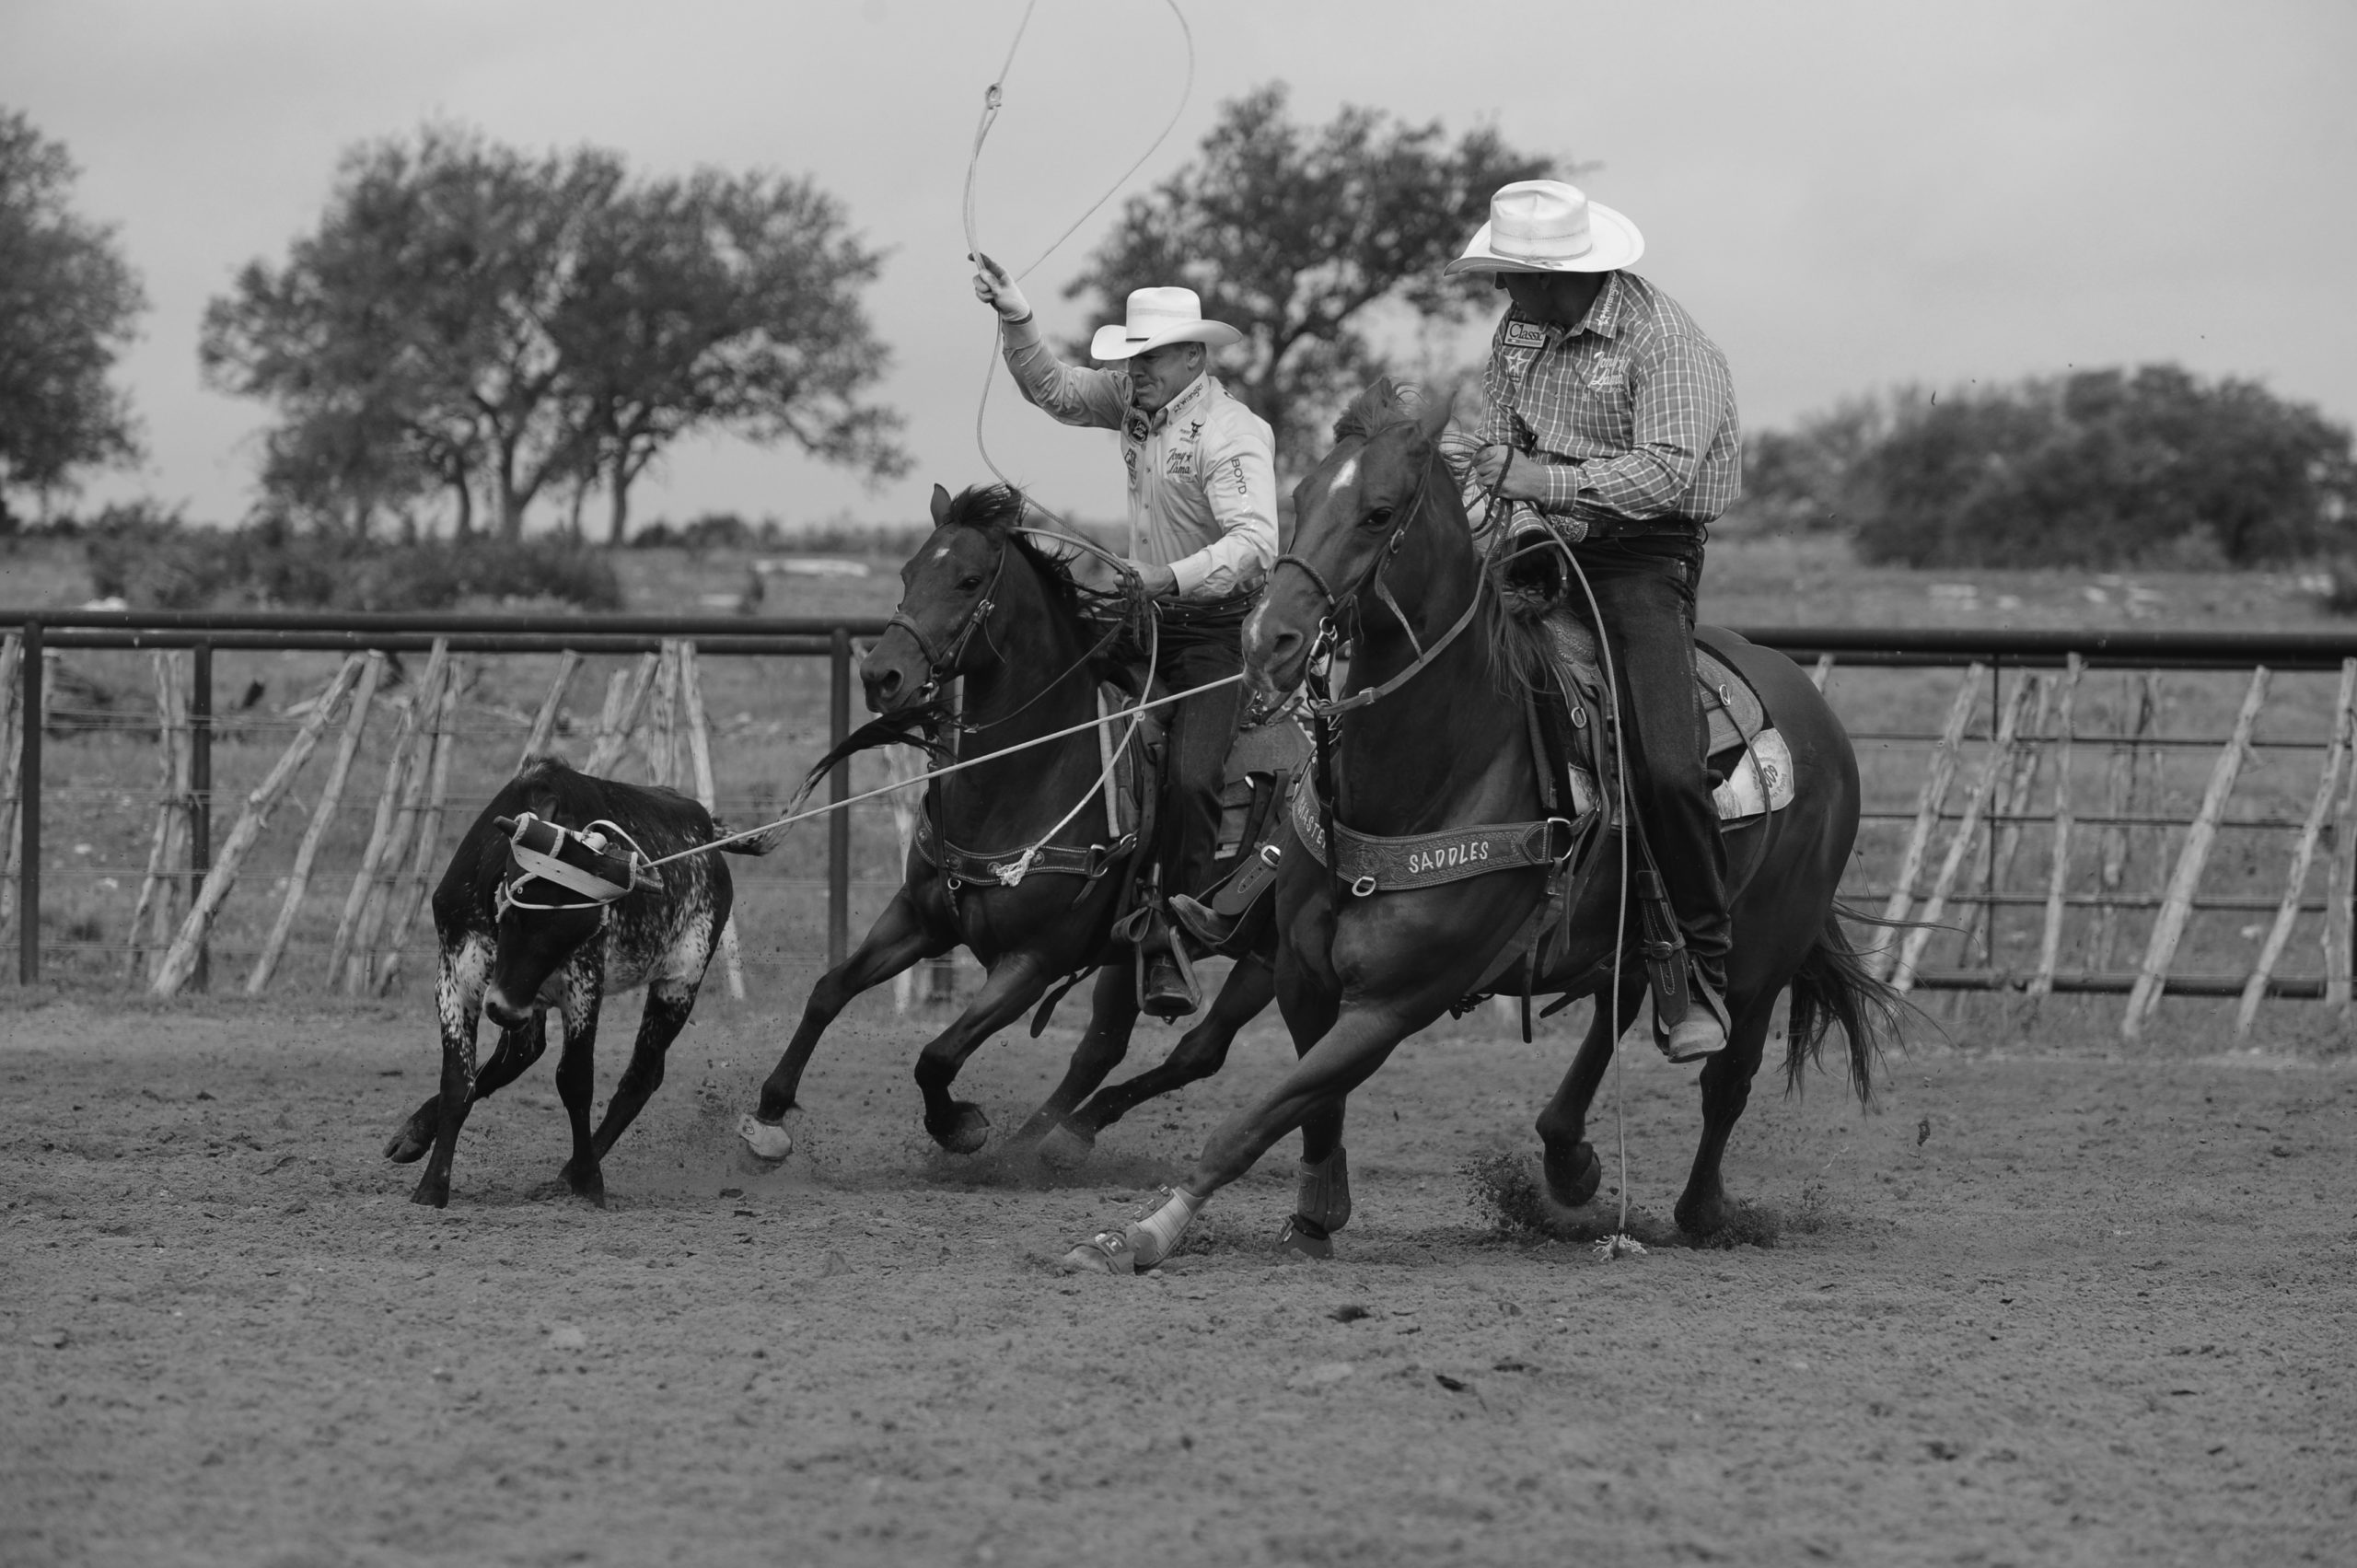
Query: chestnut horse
1385,558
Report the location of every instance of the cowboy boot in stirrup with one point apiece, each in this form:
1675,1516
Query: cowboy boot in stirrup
1210,929
1703,1031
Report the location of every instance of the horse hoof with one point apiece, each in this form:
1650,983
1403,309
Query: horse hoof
967,1133
1572,1181
431,1196
408,1145
1700,1218
1305,1238
1065,1149
589,1188
1106,1252
765,1141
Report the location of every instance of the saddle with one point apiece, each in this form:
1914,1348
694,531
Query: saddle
1749,757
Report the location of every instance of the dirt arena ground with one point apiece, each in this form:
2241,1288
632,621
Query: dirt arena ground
2035,1310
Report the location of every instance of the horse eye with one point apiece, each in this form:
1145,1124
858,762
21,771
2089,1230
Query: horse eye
968,585
1378,519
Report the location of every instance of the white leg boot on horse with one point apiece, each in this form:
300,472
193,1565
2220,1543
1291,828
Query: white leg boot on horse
1144,1243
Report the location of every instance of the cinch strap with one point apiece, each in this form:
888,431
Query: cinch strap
1369,864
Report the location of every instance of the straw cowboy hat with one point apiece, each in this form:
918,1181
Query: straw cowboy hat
1545,226
1159,316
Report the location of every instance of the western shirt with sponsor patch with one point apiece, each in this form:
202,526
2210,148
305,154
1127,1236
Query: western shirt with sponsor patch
1202,468
1631,412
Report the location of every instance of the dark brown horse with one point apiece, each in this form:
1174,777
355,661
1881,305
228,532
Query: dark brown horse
1383,547
981,600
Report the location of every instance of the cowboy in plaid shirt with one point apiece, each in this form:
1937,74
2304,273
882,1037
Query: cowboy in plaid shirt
1612,422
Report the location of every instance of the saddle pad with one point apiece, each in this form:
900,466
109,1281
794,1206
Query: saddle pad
1732,708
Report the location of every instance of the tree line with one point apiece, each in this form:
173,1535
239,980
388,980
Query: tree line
472,331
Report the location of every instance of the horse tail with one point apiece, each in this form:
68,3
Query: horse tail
1834,986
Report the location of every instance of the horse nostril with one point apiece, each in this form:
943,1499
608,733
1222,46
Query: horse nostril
1281,646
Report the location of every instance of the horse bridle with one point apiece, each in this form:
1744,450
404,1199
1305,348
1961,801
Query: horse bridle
1344,607
942,665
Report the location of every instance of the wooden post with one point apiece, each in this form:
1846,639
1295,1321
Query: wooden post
1823,672
904,764
383,886
179,959
2295,880
323,817
699,764
426,842
380,830
2341,900
1968,828
2125,786
151,914
12,653
626,694
32,718
552,706
2011,795
661,737
2176,904
1928,801
2058,873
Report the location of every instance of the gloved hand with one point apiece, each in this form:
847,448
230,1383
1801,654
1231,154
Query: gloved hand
996,289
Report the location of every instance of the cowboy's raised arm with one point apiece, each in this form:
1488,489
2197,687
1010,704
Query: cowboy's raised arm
1065,392
1236,461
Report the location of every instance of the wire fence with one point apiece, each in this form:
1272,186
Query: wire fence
2134,814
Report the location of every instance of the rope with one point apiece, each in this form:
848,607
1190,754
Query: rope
993,96
787,821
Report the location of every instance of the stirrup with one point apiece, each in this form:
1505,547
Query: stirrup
1703,1032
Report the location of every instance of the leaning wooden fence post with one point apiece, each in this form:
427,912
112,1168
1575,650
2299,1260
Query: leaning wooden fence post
2340,888
426,713
626,694
179,959
426,842
700,764
1822,673
2126,785
1968,828
662,728
2295,880
1927,802
2177,903
2009,798
323,817
12,656
544,721
380,829
151,913
2058,871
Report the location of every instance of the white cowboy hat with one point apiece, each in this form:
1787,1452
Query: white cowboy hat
1545,226
1159,316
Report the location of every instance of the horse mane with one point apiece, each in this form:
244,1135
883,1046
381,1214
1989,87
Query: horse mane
1519,654
999,511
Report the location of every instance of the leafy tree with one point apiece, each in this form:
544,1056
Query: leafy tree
2104,467
1297,234
67,304
470,319
719,302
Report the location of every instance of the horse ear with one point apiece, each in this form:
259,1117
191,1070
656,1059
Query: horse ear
940,505
1433,417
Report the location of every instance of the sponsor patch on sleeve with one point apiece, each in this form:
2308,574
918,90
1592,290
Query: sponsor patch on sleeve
1526,334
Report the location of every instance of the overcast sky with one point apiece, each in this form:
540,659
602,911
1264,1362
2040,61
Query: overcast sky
1846,196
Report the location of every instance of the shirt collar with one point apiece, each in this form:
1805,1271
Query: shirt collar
1187,396
1603,317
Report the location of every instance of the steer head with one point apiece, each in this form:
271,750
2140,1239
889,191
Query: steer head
1344,513
544,915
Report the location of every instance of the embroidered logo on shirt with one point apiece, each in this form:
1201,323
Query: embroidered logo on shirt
1134,427
1607,373
1526,334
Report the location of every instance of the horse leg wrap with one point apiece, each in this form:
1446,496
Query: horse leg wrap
1155,1237
1323,1196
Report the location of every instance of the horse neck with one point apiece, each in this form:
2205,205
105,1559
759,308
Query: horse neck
1038,683
1405,761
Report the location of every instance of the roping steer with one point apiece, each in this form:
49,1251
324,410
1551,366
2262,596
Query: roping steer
530,919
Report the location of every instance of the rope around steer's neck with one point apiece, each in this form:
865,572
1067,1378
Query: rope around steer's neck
792,817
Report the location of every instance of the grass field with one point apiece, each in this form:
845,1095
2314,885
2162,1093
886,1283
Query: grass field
770,721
